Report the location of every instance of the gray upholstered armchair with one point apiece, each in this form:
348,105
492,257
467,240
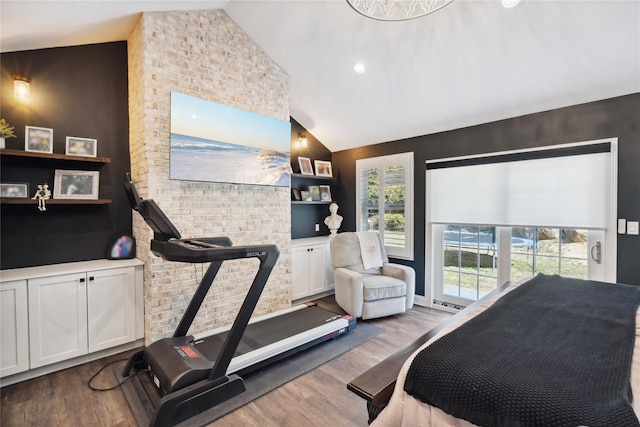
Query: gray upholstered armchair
369,288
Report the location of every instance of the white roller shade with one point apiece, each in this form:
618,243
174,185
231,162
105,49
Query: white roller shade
571,191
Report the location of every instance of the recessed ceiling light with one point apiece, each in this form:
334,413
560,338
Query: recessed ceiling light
510,3
359,67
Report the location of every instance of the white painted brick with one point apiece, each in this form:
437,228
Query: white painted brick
206,55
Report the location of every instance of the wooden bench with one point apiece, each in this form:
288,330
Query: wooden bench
376,385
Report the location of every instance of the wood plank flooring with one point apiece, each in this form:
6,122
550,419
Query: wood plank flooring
318,398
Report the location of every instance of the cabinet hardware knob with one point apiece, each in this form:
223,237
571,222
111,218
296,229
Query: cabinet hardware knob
82,280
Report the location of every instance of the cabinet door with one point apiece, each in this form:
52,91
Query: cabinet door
57,318
317,269
300,272
14,324
111,307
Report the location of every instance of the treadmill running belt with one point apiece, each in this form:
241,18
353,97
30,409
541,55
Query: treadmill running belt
263,333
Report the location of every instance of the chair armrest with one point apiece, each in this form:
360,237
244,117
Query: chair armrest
404,273
349,287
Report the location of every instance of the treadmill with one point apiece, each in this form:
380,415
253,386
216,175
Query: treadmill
184,375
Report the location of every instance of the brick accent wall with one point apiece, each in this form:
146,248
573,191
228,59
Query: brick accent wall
206,55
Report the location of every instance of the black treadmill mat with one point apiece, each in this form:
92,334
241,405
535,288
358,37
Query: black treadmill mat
259,382
269,331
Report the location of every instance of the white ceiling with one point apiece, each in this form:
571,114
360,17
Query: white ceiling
471,62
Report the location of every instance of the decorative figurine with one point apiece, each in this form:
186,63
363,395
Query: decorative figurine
42,193
334,220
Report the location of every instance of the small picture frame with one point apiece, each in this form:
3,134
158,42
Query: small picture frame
314,190
325,193
295,195
122,246
69,184
323,168
16,190
305,166
306,196
85,147
39,140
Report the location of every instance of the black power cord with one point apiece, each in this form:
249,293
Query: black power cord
102,369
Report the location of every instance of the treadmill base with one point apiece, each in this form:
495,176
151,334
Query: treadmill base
183,404
257,383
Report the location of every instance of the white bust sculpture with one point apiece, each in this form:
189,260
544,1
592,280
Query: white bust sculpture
334,220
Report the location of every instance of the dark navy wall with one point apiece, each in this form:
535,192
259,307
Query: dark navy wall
305,217
77,91
616,117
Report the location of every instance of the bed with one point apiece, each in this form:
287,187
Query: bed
489,392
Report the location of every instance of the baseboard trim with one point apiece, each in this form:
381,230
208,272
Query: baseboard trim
48,369
422,301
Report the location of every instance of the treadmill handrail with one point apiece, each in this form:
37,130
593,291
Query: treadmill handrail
267,254
181,251
234,336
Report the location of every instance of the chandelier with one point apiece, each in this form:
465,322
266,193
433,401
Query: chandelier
396,10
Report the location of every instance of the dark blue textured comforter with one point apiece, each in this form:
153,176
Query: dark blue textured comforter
553,352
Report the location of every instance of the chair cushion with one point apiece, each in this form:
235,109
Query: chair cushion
377,287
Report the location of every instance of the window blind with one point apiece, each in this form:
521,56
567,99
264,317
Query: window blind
561,187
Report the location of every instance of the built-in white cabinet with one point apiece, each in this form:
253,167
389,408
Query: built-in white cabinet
111,306
57,318
59,315
14,328
311,267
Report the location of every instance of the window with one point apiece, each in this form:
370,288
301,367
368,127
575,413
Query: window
471,257
469,261
509,216
550,251
385,189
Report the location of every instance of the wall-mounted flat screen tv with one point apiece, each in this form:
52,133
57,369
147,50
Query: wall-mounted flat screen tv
216,143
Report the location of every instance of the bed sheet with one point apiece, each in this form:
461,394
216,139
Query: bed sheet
404,410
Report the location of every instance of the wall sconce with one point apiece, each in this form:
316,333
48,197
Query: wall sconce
302,140
21,87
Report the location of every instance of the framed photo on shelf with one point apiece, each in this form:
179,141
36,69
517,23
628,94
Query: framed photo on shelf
295,195
314,190
325,193
14,190
305,166
39,140
85,147
69,184
323,168
306,196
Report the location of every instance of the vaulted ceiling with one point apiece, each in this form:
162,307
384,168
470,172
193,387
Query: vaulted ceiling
469,63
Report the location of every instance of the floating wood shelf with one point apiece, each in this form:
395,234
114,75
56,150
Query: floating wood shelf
298,202
20,201
53,156
300,175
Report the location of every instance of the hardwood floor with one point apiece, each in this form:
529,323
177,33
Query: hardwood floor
318,398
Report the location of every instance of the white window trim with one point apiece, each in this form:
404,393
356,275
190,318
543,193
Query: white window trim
402,159
433,258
